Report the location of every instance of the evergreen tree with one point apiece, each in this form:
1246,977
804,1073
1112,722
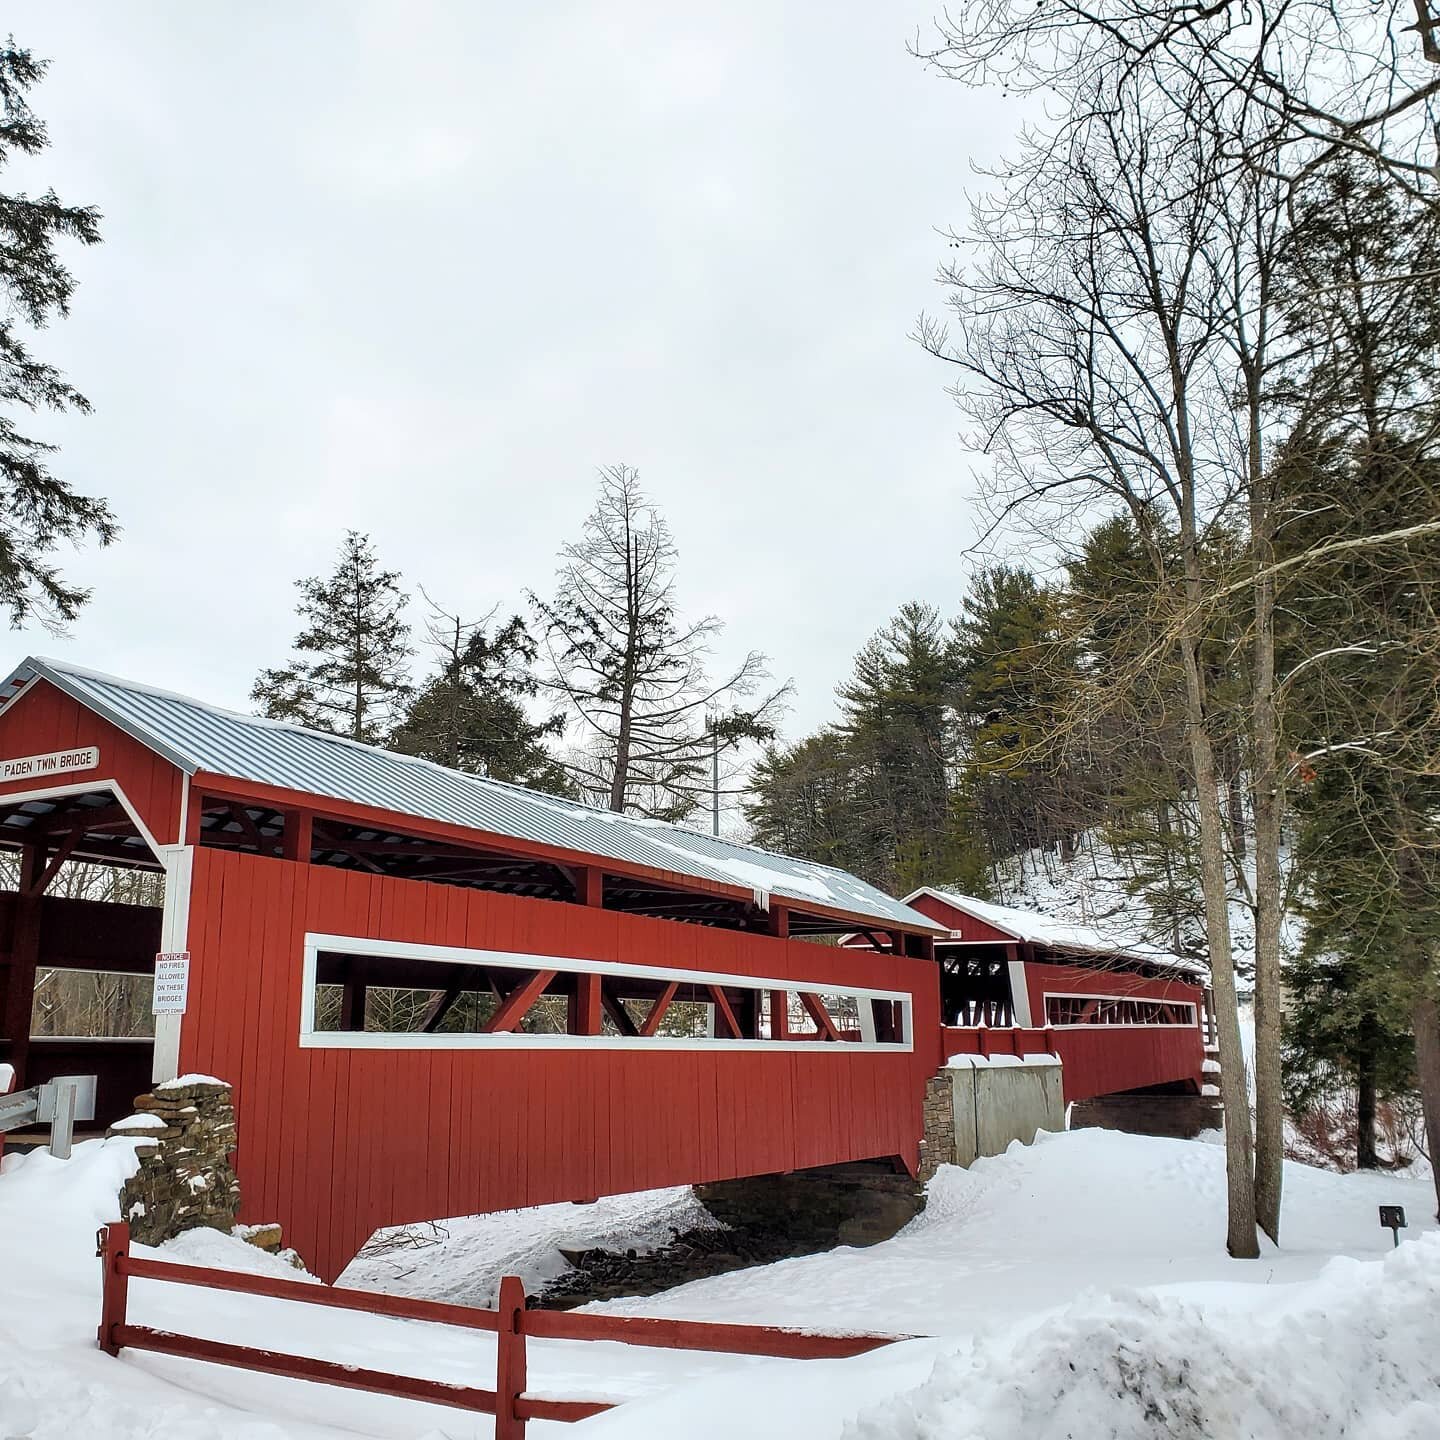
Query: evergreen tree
472,714
1347,1026
1363,462
876,794
802,801
899,727
1115,605
632,674
349,676
38,510
1016,666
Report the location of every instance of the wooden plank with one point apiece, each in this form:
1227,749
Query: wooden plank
662,1334
368,1302
301,1367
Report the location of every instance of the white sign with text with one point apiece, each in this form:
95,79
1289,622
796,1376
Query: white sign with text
172,983
58,762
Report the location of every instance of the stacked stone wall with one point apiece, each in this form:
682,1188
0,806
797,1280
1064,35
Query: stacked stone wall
185,1179
937,1145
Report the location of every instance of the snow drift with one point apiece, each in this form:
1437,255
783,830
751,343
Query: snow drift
1352,1353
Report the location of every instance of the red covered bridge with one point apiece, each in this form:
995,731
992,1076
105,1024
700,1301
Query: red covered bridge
1122,1015
436,994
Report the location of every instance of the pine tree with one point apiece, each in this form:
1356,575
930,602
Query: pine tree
898,719
1347,1026
1363,462
349,676
38,510
472,714
632,675
1016,667
802,801
876,794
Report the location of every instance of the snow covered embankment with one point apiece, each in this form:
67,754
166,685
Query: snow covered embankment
1007,1268
1355,1353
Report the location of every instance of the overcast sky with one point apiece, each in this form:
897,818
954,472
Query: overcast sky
418,269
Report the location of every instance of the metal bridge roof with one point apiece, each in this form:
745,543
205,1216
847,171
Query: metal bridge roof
195,737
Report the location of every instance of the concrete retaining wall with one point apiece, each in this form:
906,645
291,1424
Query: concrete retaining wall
999,1098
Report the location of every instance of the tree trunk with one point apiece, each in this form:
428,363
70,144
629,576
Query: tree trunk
1234,1093
1365,1157
1426,1017
1172,899
1235,798
1268,803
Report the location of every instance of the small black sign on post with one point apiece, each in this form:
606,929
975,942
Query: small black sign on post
1392,1218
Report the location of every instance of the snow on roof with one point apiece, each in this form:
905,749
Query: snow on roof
1038,929
196,736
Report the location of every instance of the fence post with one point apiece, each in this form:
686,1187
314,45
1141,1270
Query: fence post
114,1284
510,1360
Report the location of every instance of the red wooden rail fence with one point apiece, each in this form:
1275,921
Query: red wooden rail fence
511,1323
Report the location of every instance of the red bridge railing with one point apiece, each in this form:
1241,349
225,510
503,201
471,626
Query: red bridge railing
510,1322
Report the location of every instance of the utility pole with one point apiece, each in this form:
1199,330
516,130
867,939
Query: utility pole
714,779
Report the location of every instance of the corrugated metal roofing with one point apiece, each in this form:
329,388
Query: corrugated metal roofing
196,736
1041,929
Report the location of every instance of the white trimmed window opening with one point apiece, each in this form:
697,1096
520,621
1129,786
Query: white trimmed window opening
1063,1012
361,993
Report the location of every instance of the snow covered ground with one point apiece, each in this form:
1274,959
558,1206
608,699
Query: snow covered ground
462,1261
1078,1287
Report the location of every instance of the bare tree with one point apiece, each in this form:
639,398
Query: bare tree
1095,344
1327,79
633,676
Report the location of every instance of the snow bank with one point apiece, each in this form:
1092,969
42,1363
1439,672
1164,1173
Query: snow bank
1353,1353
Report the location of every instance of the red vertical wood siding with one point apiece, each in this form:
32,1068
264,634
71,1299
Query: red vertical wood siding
967,926
45,719
334,1143
1106,1059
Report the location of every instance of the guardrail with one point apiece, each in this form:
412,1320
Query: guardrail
510,1322
58,1103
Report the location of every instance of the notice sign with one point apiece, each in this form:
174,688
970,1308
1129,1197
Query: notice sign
172,983
42,767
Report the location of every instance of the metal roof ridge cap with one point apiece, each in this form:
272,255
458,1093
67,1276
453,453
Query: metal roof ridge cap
69,684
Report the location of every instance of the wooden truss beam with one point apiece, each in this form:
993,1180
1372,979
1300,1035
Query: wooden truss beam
723,1013
819,1014
518,1002
658,1008
67,846
616,1010
468,978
